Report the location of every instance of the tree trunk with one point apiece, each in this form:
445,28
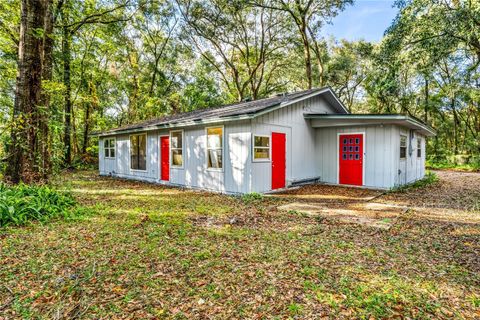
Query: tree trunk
66,56
44,140
21,161
425,116
306,55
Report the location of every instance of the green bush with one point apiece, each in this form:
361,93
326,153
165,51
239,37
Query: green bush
428,179
252,197
21,204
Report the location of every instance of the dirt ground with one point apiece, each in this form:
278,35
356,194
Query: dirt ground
152,252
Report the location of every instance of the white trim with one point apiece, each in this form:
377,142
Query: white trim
223,148
160,157
172,166
269,147
130,152
364,134
114,138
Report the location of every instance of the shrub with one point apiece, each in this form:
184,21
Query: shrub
21,204
252,197
428,179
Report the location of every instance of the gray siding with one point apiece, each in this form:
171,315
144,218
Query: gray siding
381,156
300,145
378,154
412,168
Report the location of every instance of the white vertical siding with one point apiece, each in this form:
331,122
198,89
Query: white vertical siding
378,163
412,168
300,145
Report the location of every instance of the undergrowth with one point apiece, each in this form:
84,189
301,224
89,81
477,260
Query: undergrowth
23,203
428,179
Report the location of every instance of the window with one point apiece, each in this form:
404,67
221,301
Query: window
403,147
261,148
138,152
215,148
177,148
419,148
109,147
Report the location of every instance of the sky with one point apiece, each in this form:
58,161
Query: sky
366,19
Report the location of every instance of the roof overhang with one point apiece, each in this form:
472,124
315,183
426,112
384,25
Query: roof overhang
327,93
349,120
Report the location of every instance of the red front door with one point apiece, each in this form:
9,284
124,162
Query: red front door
351,159
165,158
278,160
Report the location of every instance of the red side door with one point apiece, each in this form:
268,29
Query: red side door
351,159
165,158
278,160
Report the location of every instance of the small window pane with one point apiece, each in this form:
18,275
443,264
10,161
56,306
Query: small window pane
177,157
107,154
357,149
261,153
262,141
177,139
344,156
357,140
214,139
344,141
357,156
106,143
351,140
112,153
351,156
344,149
351,148
215,158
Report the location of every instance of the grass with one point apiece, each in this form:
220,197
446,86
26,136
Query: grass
157,252
470,167
22,204
429,179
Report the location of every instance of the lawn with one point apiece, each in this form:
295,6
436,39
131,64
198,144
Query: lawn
147,251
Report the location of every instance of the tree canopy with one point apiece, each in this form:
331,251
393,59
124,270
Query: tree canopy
98,64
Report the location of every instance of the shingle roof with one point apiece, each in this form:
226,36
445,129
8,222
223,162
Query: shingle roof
231,110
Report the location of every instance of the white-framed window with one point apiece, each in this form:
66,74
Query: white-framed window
176,148
215,148
261,148
419,148
403,147
138,151
109,147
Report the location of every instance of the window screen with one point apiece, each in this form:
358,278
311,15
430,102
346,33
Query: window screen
403,147
177,148
215,148
138,152
261,147
109,147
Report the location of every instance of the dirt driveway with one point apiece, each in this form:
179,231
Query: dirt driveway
455,197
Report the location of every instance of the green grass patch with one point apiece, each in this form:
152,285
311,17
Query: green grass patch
22,204
429,179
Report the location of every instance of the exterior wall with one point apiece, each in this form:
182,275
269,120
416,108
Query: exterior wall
382,165
301,163
378,163
412,168
234,178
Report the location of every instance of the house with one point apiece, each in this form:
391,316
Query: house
268,144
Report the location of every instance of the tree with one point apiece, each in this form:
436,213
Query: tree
308,16
23,162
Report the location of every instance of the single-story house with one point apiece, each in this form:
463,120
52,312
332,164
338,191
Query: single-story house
268,144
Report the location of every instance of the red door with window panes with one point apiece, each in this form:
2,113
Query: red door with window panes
351,159
165,158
